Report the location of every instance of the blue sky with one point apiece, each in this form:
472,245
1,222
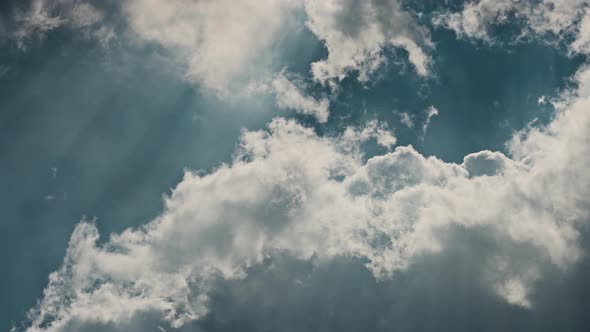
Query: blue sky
294,165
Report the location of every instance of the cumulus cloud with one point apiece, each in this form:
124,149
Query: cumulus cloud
557,18
227,45
222,42
293,192
488,163
290,191
290,95
373,129
224,45
476,17
356,32
582,42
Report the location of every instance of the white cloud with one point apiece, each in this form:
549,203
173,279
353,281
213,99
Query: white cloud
406,119
373,129
289,190
224,43
515,291
582,42
289,95
488,163
559,18
476,17
430,113
45,15
356,32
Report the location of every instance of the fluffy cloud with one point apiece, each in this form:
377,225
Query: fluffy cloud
224,45
582,42
227,45
290,96
539,18
356,32
222,42
406,119
292,192
372,130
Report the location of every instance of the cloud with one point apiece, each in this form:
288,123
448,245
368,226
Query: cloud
476,17
289,95
553,18
373,129
43,16
356,32
226,46
291,192
430,113
219,54
407,119
488,163
222,42
582,42
223,45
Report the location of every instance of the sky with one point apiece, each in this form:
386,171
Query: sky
294,165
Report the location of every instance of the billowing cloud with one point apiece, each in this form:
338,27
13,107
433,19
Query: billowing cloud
356,32
223,45
292,192
227,45
373,129
554,18
222,42
290,94
221,39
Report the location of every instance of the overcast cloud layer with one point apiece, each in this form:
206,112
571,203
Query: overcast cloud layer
295,190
